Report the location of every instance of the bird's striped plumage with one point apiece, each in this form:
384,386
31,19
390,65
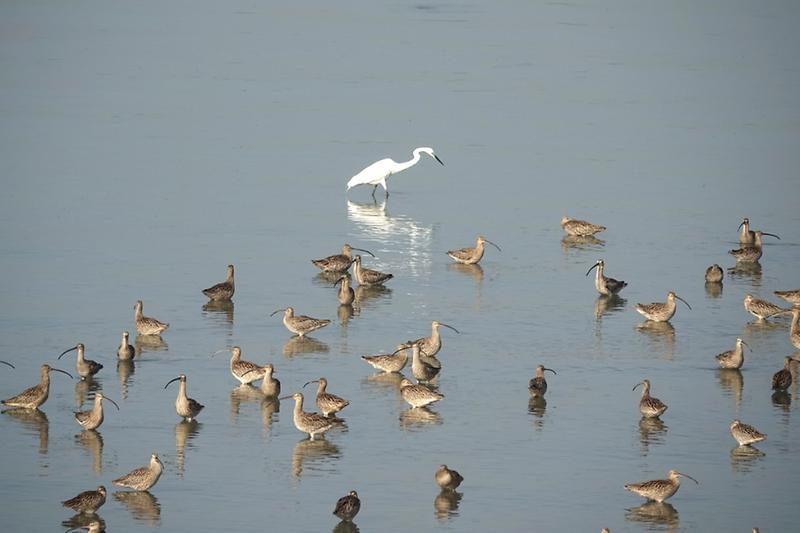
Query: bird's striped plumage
222,291
146,325
745,434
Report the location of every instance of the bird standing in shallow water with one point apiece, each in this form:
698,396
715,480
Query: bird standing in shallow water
339,263
604,285
125,352
377,173
388,363
244,371
649,407
794,329
88,501
580,228
186,407
659,489
346,294
300,324
347,507
793,296
745,434
142,478
146,325
312,423
746,235
222,291
537,386
424,368
782,379
86,367
33,397
448,479
471,256
327,403
367,276
432,344
733,358
714,274
92,418
660,312
762,309
418,395
751,253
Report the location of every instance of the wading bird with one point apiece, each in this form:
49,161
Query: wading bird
377,172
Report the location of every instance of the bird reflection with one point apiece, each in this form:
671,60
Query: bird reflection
445,505
142,505
346,526
313,454
185,432
474,271
35,422
661,333
327,279
537,406
298,345
744,458
651,431
125,370
419,417
243,394
751,271
384,381
92,442
608,304
713,290
782,400
83,520
654,513
732,382
82,389
578,242
345,313
270,406
149,343
365,293
220,310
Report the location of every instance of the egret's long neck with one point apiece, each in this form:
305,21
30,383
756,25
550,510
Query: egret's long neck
410,163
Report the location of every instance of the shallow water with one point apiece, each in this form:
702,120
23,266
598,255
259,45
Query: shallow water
146,146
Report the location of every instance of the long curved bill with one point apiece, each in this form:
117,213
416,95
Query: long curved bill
436,157
684,301
312,381
363,250
451,327
66,352
7,363
171,381
770,234
690,477
551,370
593,267
276,311
493,244
112,401
62,371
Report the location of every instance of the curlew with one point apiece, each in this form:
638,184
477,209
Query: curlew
327,403
471,256
244,371
447,478
146,325
186,407
432,344
388,363
762,309
300,324
794,328
745,434
142,478
733,358
346,295
312,423
580,228
659,489
418,395
367,276
649,407
751,253
222,292
86,367
537,386
604,285
92,418
793,296
339,262
746,235
782,379
33,397
125,352
660,312
424,367
714,274
88,501
347,507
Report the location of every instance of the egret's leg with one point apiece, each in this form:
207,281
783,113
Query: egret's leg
375,188
385,188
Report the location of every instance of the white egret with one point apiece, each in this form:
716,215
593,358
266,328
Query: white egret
377,172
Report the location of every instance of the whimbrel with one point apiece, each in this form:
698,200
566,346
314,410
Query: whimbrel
367,277
751,253
659,489
782,379
447,478
346,294
762,309
244,371
142,478
88,501
312,423
794,329
649,407
604,285
92,418
661,312
327,403
300,324
186,407
733,358
424,368
471,256
537,386
714,274
339,262
86,367
431,345
418,395
125,352
793,296
746,235
222,291
745,434
347,507
394,362
146,325
580,228
33,397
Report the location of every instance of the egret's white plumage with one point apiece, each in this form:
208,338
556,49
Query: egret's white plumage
377,172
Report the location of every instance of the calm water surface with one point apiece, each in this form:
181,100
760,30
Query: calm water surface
146,146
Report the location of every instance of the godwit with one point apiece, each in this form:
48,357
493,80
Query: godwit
328,404
659,489
367,277
471,256
347,507
146,325
125,352
604,285
88,501
733,358
86,367
661,312
447,478
142,478
186,407
94,417
222,291
339,262
580,228
300,324
537,386
33,397
649,407
745,434
312,423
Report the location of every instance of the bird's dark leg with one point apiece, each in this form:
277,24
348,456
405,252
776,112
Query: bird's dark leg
375,188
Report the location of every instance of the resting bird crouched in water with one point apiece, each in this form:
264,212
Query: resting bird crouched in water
377,172
223,291
347,507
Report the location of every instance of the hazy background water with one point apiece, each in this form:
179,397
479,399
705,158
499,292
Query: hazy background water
145,146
